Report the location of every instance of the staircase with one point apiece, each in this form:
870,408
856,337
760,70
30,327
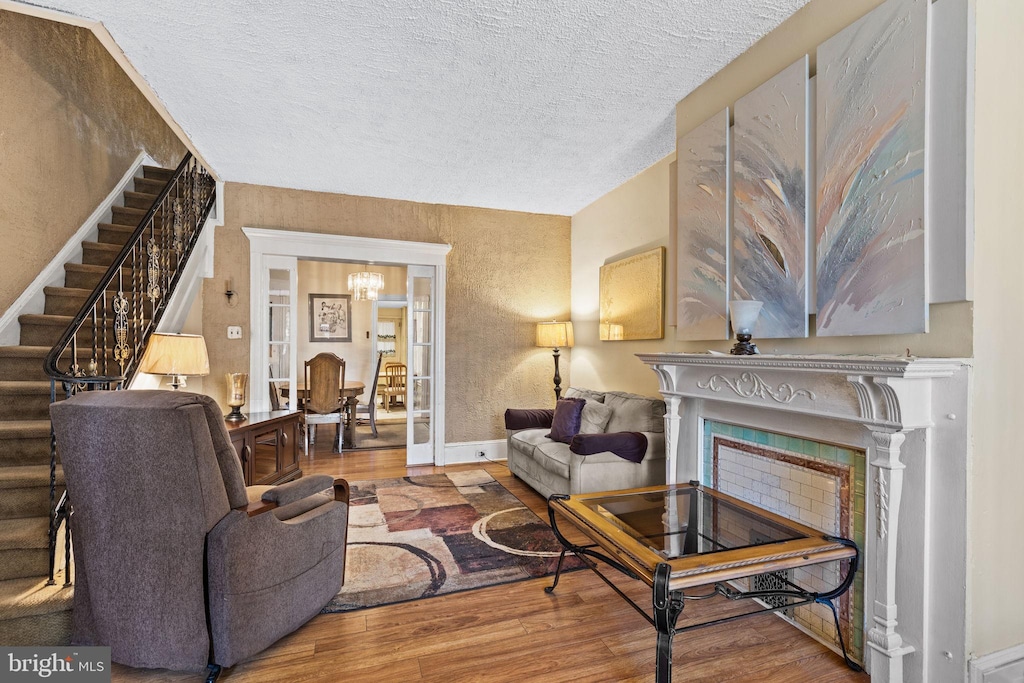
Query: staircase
32,613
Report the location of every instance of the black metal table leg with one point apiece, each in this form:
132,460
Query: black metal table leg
668,605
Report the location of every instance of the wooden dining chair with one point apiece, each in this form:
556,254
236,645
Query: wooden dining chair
370,407
394,387
324,375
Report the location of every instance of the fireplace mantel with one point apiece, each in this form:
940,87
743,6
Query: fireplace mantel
910,416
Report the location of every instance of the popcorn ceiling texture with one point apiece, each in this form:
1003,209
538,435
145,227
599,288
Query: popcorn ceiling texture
531,106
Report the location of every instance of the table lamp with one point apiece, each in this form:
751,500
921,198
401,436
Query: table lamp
744,315
555,335
176,355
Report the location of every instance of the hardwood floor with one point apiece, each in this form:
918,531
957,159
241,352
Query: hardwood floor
517,632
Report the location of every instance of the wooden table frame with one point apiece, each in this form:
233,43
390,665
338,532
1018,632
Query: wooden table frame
669,578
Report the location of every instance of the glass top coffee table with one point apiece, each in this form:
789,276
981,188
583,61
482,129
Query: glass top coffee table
677,537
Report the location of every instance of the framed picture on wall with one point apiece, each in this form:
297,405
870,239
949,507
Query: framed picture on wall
330,317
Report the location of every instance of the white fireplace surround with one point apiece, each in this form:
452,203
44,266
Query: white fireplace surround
910,416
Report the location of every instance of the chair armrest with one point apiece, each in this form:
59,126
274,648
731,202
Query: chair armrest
298,489
630,446
527,418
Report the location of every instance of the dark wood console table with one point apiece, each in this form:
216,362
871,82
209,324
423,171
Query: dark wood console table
267,445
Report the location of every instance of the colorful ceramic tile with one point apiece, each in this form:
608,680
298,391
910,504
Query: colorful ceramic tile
702,255
870,167
770,190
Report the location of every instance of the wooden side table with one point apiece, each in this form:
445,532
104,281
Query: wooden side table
267,446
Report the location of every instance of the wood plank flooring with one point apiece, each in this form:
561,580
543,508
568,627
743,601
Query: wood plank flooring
516,632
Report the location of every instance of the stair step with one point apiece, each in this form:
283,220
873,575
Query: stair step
46,330
100,253
126,215
111,233
24,442
157,173
25,491
25,363
32,613
139,200
64,300
24,548
87,276
150,185
24,400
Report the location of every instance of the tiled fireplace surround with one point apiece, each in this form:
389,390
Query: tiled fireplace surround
908,416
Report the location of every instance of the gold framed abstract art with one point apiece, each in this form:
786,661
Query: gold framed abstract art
632,294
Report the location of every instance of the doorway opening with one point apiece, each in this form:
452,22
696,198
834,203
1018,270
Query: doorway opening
324,316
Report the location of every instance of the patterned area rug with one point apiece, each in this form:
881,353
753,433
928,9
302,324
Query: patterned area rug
418,537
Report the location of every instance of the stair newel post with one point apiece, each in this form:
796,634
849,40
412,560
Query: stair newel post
53,488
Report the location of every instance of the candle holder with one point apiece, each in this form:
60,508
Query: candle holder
237,383
744,315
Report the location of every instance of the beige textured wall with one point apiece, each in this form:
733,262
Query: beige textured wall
997,507
638,215
71,122
506,270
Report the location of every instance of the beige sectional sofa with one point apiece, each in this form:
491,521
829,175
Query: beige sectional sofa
552,467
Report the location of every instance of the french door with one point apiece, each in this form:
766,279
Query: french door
421,363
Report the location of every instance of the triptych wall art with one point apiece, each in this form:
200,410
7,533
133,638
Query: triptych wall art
702,268
846,241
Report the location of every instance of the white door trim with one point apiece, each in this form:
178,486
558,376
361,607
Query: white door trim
320,247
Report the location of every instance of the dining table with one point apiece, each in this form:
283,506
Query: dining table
350,394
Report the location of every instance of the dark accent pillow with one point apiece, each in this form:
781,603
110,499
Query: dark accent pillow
528,418
565,423
630,446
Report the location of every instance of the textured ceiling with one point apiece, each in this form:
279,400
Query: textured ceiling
530,105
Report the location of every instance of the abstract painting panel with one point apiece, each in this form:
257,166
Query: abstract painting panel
770,229
702,242
871,268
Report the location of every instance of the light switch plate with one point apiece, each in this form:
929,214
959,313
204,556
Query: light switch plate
234,331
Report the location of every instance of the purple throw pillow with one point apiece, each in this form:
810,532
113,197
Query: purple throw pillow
566,422
630,446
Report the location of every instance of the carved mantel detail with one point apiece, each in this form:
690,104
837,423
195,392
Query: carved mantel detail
893,398
750,384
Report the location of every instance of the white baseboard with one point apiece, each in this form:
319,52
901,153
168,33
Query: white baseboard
33,300
1005,666
475,451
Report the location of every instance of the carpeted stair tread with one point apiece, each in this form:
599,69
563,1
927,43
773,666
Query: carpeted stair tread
32,597
24,429
157,172
10,387
23,476
25,532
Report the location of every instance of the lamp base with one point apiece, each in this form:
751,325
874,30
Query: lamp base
236,415
743,347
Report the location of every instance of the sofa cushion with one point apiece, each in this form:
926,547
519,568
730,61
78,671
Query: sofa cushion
633,413
566,422
630,446
554,456
595,418
527,439
596,396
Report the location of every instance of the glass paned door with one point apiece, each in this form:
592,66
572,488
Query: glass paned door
419,386
279,286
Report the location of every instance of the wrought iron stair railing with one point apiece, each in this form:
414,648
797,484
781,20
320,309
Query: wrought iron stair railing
102,346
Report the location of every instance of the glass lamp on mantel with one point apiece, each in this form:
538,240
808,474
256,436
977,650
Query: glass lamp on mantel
743,315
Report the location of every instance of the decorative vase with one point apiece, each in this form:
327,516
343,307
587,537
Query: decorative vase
237,383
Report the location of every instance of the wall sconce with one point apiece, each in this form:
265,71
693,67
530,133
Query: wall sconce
229,292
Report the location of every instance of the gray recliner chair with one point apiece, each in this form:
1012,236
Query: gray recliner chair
178,565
